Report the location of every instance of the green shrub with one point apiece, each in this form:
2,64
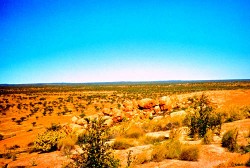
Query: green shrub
48,141
201,116
189,153
96,152
208,137
229,140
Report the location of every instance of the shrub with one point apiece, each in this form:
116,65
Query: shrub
229,140
97,153
158,153
208,137
173,149
122,143
167,150
201,116
189,153
1,137
33,123
130,159
54,127
48,141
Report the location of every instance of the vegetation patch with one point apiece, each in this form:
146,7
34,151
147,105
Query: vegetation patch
123,143
201,116
96,152
229,140
190,153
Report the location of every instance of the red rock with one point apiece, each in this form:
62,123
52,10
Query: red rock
146,103
165,103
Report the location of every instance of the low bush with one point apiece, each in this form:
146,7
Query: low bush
229,140
167,150
208,137
96,152
158,153
123,143
201,116
189,153
48,141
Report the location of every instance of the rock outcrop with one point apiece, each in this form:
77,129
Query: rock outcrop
146,103
165,103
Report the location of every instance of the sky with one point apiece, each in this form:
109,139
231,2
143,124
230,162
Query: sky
50,41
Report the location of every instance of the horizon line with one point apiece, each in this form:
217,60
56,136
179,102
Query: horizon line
106,82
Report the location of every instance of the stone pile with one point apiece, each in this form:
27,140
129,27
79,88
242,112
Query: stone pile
144,108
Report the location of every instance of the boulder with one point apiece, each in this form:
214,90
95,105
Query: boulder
178,113
107,112
165,103
74,119
117,115
81,122
157,109
128,105
146,103
77,129
109,122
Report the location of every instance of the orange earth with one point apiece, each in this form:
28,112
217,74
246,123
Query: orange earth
22,135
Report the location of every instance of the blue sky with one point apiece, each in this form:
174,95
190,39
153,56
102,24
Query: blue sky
112,40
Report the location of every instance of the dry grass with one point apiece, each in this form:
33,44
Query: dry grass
240,160
167,150
234,113
208,137
229,140
123,143
190,152
134,132
142,158
151,140
163,124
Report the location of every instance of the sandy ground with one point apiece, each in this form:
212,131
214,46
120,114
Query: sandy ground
211,155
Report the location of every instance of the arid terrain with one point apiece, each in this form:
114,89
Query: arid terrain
28,110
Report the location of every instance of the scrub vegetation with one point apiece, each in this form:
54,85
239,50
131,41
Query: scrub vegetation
95,125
